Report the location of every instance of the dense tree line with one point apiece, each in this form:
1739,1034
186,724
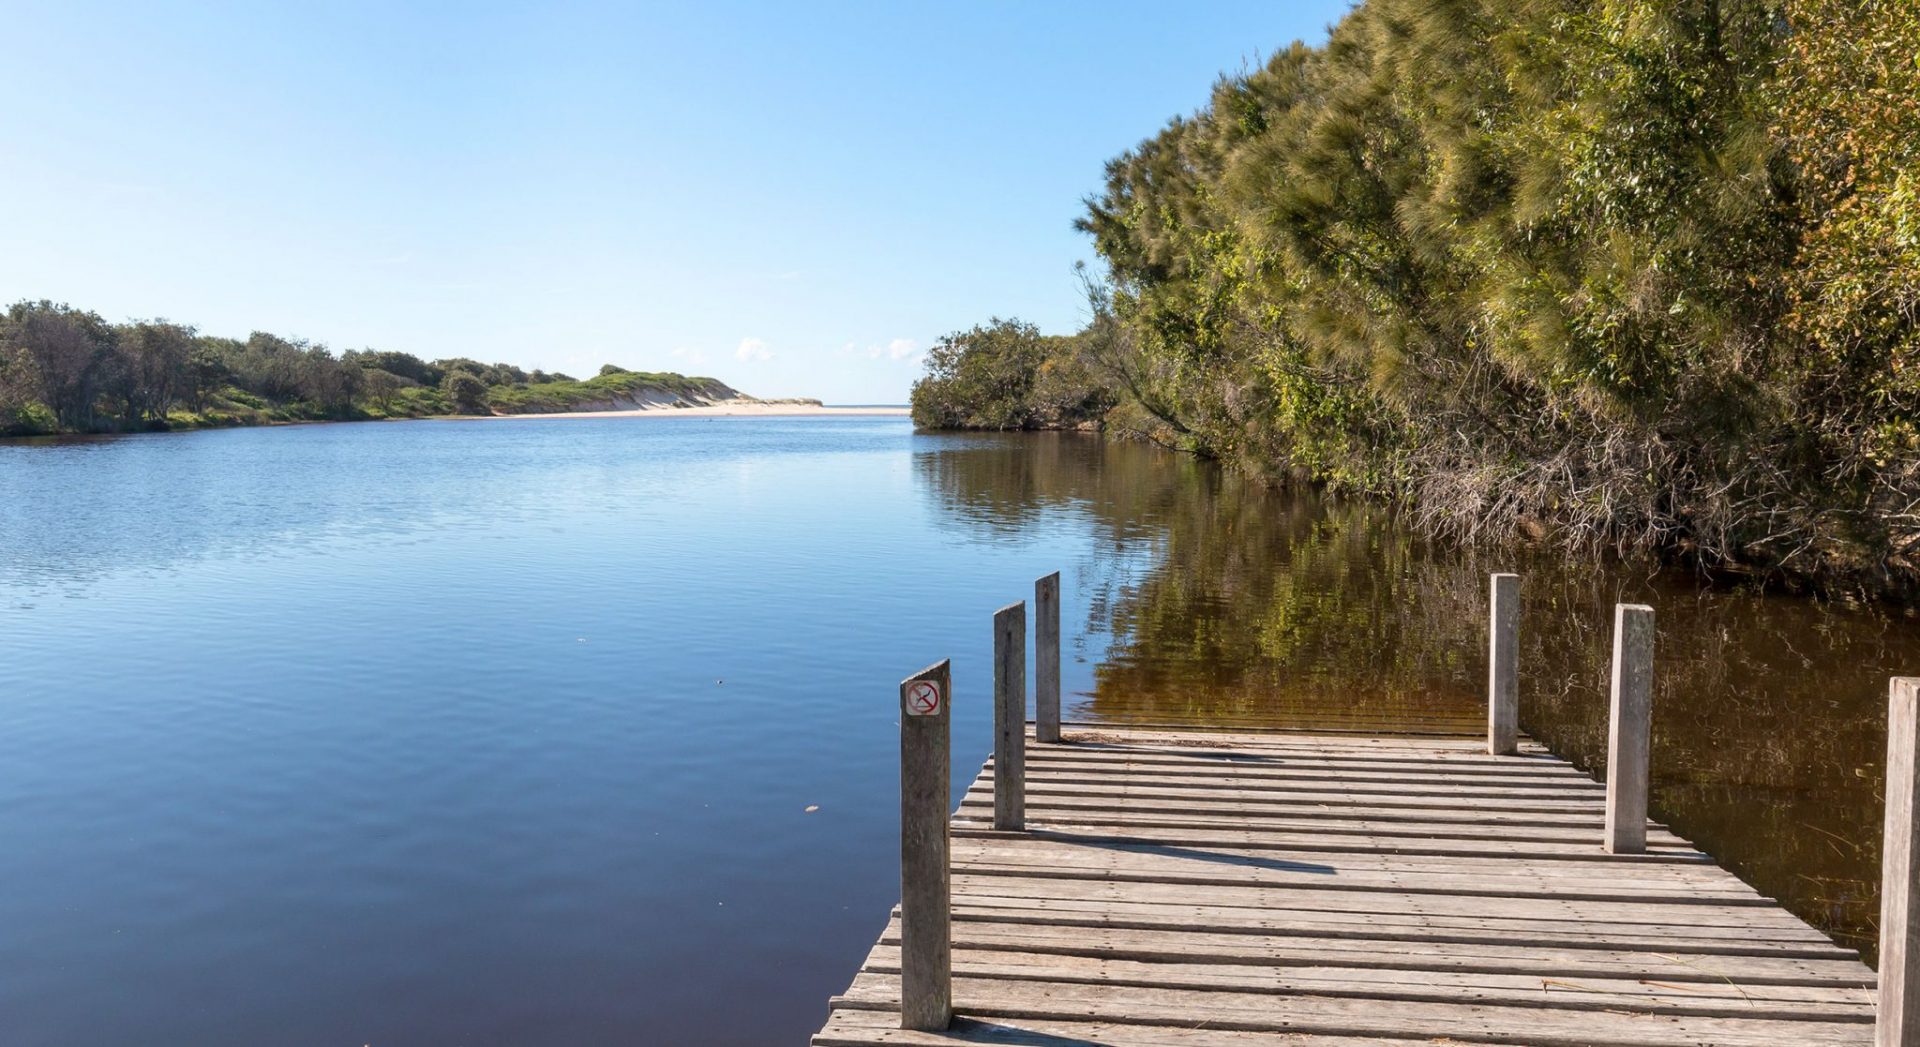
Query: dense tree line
1638,273
67,370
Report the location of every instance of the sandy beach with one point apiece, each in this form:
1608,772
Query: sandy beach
762,410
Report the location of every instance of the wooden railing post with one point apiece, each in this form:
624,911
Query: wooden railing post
926,913
1629,731
1046,659
1898,1021
1503,669
1010,716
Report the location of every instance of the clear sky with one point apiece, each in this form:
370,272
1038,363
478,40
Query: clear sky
794,197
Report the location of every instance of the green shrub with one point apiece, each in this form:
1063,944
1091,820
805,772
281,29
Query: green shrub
465,392
1007,375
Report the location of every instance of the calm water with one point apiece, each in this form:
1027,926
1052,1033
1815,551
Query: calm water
506,732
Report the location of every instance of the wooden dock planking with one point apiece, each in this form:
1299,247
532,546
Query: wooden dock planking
1175,887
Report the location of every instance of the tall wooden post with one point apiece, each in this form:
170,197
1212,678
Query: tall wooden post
1503,668
1046,659
1898,1021
926,912
1629,731
1010,717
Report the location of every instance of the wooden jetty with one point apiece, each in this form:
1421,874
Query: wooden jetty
1169,888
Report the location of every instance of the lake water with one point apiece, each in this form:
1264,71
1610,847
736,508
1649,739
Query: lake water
507,732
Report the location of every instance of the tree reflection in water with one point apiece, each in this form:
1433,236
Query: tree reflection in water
1217,601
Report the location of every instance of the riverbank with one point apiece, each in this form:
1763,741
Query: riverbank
745,409
161,377
756,409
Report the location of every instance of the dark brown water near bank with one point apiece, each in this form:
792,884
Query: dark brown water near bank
1223,603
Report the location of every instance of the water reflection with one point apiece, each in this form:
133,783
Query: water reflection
1219,602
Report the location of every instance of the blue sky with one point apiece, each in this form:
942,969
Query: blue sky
796,198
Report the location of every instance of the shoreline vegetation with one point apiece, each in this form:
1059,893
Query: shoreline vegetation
65,371
745,407
1641,277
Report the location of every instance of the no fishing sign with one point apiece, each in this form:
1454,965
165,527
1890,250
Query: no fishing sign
924,698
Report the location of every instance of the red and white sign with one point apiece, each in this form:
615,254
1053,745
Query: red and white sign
923,698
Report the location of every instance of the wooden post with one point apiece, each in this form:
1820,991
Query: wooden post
926,912
1010,717
1898,1021
1630,731
1503,669
1046,659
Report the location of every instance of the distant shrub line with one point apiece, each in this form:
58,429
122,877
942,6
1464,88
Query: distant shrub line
64,370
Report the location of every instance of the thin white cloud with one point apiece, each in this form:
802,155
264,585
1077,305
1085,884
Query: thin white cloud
692,356
752,350
898,349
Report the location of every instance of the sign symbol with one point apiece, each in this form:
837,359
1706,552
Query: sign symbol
923,698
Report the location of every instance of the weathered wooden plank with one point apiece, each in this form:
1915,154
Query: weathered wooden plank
1462,765
1574,837
1531,757
1740,941
1071,802
1605,917
1397,821
1377,883
1795,1002
1358,727
1209,946
1329,794
1187,738
1275,716
1148,736
865,1028
1284,780
1283,777
1328,843
1485,1023
1520,797
1145,855
1529,760
1107,759
1317,784
1095,852
1398,937
1122,802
